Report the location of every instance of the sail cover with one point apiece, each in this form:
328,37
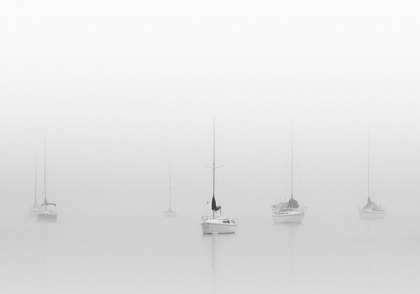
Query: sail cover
214,207
281,205
376,206
293,203
46,203
372,205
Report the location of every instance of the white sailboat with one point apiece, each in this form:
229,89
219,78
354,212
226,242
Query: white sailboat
371,210
48,212
288,211
35,209
217,224
170,212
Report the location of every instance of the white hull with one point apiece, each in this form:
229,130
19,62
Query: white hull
47,216
285,217
371,214
218,225
169,214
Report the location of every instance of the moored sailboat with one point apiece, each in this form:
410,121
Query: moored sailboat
371,210
35,209
288,211
48,212
170,212
216,223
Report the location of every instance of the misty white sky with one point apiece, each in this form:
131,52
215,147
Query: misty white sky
118,88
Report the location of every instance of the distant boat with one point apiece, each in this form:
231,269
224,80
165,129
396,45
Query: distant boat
48,212
371,210
35,209
170,212
288,211
217,224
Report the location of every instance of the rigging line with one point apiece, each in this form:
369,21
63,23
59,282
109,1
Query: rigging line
45,170
285,183
281,184
207,191
36,171
300,186
362,170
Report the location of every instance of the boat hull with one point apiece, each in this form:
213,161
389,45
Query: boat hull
169,214
372,214
211,228
47,217
288,218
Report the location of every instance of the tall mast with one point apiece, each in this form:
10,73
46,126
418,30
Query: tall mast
36,172
292,162
214,156
45,171
170,188
368,168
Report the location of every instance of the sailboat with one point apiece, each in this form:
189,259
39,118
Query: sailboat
371,210
170,212
48,213
35,209
216,223
288,211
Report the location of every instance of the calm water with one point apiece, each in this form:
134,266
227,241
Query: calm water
104,254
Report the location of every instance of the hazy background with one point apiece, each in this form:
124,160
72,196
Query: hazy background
119,88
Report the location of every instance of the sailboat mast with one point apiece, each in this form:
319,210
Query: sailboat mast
36,172
292,163
170,188
368,168
214,157
45,171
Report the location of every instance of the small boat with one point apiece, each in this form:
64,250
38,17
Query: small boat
288,211
371,210
170,212
35,209
48,210
216,223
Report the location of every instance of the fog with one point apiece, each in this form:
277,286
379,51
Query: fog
120,88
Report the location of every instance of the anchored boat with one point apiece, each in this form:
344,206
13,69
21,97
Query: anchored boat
288,211
371,210
48,210
216,223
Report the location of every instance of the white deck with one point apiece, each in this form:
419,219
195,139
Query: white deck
371,214
284,216
219,225
47,216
